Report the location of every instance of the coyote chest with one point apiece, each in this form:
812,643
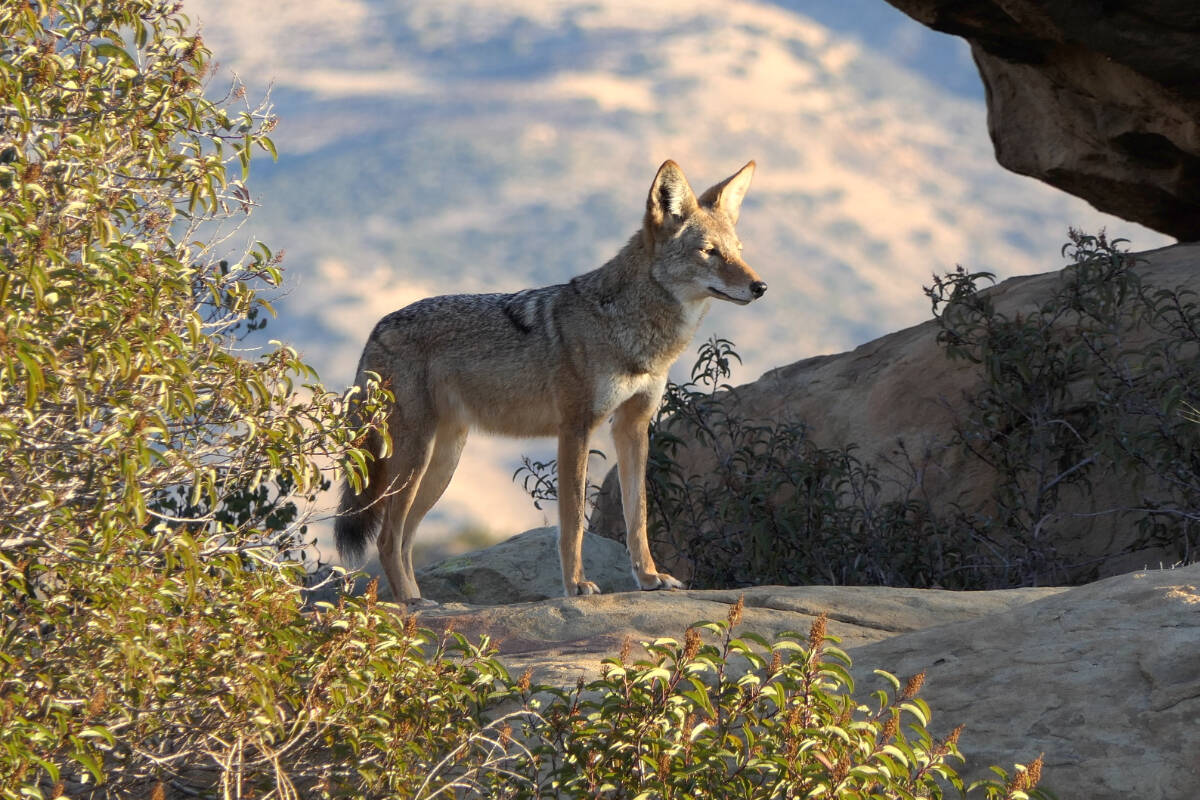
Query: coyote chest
610,391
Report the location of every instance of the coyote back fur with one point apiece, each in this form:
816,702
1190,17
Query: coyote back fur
555,361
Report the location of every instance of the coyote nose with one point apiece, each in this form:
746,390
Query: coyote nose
757,288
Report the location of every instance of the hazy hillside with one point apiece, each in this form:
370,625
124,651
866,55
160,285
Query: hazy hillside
433,146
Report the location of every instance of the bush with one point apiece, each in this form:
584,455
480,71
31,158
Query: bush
770,506
735,716
1087,388
687,722
123,400
150,473
1093,385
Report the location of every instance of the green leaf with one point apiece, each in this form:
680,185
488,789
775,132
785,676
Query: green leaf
110,50
889,677
91,763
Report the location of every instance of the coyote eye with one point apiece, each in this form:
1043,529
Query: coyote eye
708,250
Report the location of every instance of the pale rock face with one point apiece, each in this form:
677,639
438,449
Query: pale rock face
1104,679
1100,100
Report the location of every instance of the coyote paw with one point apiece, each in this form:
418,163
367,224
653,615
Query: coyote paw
583,587
658,580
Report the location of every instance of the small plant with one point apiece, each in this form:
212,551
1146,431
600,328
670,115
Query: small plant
742,717
540,480
719,715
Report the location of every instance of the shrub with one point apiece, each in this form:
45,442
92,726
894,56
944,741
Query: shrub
768,505
732,716
123,400
150,472
743,717
1089,386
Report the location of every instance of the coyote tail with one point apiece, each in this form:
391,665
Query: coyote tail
359,514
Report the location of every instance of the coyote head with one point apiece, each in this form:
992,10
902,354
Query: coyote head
696,252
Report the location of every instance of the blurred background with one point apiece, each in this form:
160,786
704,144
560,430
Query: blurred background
445,146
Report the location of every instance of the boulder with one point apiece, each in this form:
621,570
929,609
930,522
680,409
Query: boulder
898,398
1102,679
1101,100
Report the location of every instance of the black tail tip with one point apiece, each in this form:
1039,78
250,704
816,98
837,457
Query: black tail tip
351,533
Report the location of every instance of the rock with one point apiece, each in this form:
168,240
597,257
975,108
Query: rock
1103,679
1101,100
565,638
522,569
898,399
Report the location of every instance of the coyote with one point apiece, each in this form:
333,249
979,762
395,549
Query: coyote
555,361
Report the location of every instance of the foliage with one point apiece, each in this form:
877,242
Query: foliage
150,469
198,685
744,717
1088,386
539,479
765,503
738,716
1092,384
122,400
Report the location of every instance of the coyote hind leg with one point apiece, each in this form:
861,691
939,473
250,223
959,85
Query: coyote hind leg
406,471
447,447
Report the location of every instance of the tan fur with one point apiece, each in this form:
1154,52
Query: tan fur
555,361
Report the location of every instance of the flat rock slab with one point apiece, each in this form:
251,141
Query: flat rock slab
566,638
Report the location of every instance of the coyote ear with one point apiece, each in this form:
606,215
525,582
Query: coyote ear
727,195
671,199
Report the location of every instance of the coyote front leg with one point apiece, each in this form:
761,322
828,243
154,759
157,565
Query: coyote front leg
631,429
572,485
